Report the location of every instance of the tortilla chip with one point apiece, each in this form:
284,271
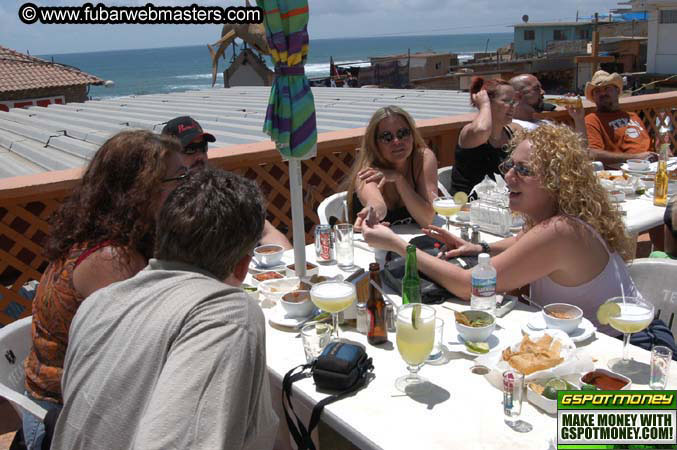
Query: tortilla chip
534,356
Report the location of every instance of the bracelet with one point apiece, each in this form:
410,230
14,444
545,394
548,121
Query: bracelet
485,248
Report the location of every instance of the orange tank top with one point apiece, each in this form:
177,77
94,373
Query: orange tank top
54,306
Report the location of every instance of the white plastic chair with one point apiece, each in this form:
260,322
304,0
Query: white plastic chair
15,344
333,206
444,180
656,280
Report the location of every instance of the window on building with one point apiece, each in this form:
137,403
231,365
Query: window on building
668,16
529,35
560,35
437,66
582,34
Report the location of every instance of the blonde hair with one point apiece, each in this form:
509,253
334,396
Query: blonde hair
369,155
559,159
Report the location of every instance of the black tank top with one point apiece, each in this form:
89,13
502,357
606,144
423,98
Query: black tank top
472,164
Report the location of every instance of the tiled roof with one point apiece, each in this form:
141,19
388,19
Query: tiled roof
19,72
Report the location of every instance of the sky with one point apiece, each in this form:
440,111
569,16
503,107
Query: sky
328,19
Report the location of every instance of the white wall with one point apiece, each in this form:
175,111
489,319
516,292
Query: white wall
662,44
246,76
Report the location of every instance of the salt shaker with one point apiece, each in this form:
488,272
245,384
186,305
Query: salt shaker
390,316
362,324
475,238
464,233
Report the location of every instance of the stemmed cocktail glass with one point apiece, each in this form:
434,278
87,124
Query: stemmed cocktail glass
448,206
333,297
627,315
415,337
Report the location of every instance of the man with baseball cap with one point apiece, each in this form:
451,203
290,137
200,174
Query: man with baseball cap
195,142
613,135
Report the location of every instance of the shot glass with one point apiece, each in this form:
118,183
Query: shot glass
315,337
660,367
513,389
343,234
436,352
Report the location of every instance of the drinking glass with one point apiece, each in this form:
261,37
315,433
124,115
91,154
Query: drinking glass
333,297
513,390
660,367
415,337
436,352
343,236
315,337
635,315
447,207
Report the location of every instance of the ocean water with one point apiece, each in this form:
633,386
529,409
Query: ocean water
177,69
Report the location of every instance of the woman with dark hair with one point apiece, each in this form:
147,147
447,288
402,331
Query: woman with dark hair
395,172
482,142
101,234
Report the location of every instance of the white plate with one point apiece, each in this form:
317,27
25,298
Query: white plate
458,345
672,189
255,268
537,323
625,168
278,316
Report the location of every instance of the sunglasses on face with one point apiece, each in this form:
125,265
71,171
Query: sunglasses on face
179,178
520,168
388,137
195,147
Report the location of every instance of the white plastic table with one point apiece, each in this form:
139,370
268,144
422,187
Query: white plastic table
463,410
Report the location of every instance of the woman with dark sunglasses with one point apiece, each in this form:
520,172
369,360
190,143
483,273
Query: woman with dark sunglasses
573,246
395,173
482,142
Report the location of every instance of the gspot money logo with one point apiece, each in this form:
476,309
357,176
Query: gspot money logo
616,419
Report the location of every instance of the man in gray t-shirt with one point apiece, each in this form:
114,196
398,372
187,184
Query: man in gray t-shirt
175,356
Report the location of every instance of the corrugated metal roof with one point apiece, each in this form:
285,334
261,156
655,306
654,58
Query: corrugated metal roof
41,139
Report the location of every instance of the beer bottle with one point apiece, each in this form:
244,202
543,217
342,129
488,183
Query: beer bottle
411,283
660,190
376,309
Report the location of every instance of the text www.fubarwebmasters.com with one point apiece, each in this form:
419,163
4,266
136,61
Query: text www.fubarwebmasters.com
88,13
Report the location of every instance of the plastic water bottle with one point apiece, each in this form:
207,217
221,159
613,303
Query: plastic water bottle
483,296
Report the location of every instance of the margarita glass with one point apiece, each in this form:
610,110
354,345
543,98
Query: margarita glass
415,337
333,297
627,315
450,206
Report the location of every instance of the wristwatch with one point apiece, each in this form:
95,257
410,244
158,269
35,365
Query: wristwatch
485,248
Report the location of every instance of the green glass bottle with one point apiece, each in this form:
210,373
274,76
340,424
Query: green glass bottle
411,283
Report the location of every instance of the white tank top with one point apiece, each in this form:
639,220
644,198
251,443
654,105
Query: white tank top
588,296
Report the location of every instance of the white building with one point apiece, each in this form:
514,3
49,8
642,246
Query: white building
662,45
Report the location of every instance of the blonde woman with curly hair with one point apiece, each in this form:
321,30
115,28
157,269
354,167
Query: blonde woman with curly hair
395,173
574,244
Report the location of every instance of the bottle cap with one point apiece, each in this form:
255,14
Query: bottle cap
483,258
374,266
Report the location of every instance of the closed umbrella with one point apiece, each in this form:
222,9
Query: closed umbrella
290,117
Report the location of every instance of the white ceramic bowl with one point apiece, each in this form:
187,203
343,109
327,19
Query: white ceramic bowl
311,269
273,290
616,195
268,255
638,164
297,303
566,325
476,334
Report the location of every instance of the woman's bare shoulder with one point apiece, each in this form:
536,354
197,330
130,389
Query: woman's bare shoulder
104,266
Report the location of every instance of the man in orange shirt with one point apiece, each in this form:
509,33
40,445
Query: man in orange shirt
614,136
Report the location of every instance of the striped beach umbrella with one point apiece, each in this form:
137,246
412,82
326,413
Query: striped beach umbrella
290,117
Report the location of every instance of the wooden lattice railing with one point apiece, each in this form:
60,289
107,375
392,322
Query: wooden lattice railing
27,202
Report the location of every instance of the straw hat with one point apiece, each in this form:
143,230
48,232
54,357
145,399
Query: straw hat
602,78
